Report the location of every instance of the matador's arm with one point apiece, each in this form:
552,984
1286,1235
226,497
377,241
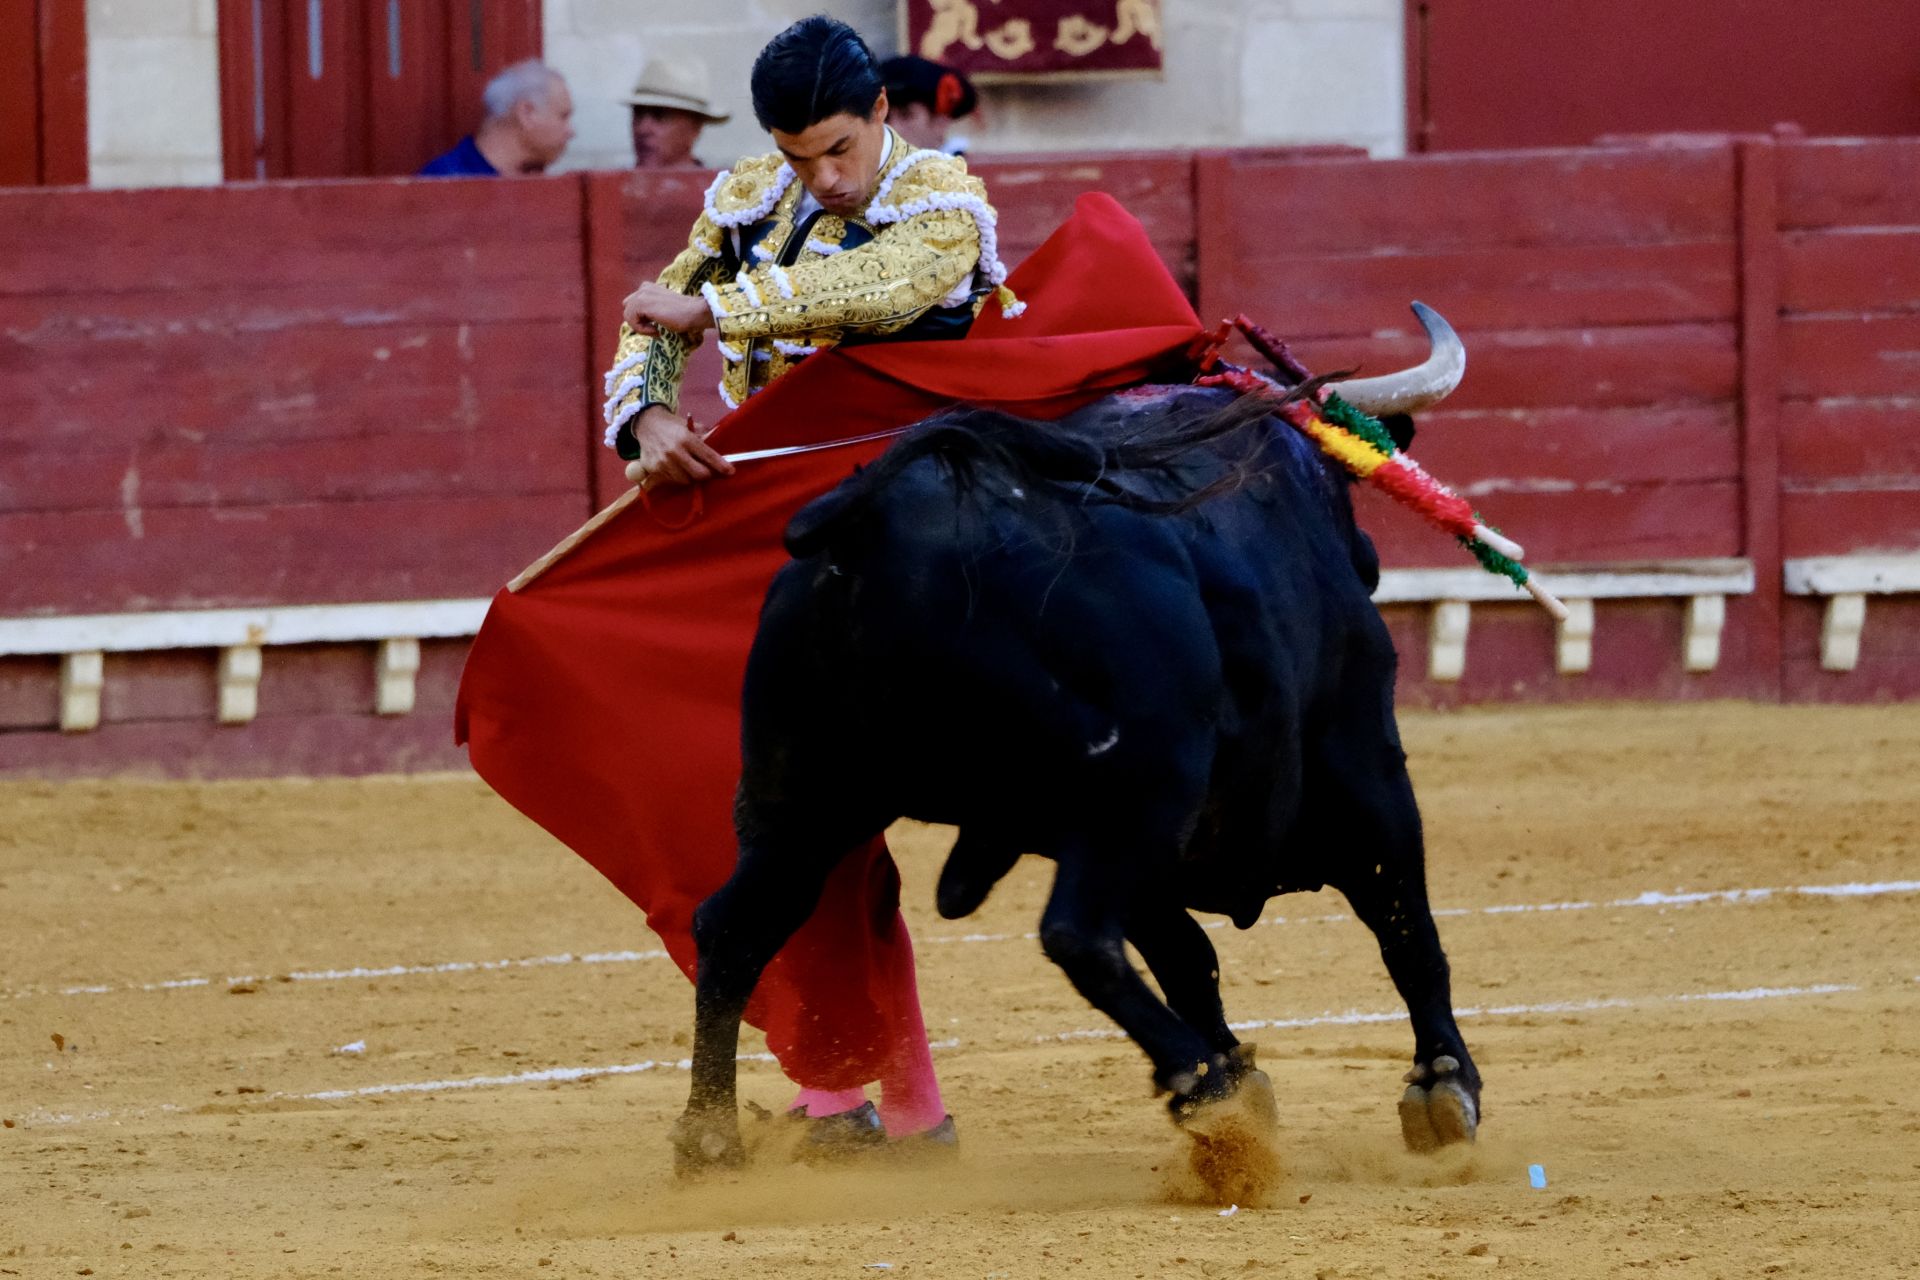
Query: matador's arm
647,369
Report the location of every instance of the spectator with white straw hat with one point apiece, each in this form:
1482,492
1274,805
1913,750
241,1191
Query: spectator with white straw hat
671,105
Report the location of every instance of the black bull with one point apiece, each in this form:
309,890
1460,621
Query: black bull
1139,642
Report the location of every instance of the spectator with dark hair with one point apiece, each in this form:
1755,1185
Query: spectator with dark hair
528,125
925,99
847,233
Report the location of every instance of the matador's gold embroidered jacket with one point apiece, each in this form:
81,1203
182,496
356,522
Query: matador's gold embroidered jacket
920,257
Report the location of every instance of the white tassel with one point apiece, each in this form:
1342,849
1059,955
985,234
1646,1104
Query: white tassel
613,427
614,373
782,179
620,393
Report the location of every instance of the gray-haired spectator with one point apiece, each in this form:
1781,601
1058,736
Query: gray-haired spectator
529,123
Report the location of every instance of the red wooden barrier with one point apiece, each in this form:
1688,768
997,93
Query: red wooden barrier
1596,293
285,393
1849,235
335,392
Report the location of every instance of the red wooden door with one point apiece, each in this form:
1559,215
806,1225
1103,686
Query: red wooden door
335,88
1522,73
43,92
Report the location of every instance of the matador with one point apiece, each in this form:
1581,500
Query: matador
781,276
847,234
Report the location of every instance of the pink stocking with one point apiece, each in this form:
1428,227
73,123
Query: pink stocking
909,1091
827,1102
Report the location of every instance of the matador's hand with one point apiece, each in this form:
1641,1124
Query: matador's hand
653,307
672,451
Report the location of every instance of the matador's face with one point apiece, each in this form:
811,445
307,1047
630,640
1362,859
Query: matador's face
838,159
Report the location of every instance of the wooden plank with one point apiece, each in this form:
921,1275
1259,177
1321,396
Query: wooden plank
19,95
1880,520
1832,440
239,158
1865,269
176,685
29,692
312,746
1850,182
1508,288
280,626
1488,453
1640,365
1586,526
99,562
407,92
535,455
1512,199
63,92
1760,401
1850,356
332,382
1035,195
326,117
1626,581
1853,574
75,242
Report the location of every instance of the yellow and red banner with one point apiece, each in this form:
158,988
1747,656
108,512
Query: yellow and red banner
1035,39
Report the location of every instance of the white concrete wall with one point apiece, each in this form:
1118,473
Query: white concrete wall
153,93
1238,72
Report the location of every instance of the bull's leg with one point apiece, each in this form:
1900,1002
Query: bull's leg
1371,825
738,931
1083,931
1182,960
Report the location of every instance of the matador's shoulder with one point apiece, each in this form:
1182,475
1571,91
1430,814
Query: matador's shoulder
928,177
748,192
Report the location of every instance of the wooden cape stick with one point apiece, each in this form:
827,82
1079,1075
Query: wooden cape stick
625,500
578,536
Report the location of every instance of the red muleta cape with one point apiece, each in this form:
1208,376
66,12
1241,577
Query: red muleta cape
603,699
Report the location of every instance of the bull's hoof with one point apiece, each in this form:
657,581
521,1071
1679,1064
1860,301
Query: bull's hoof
1233,1138
703,1143
839,1137
1440,1113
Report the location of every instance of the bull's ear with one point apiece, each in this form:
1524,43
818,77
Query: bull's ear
1400,427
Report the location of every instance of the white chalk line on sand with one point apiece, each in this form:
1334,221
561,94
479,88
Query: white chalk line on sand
1651,898
1350,1018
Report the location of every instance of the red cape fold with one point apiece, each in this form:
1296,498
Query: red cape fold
603,699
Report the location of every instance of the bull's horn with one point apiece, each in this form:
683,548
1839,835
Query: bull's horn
1412,390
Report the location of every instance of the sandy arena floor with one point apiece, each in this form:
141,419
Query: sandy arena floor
1715,1085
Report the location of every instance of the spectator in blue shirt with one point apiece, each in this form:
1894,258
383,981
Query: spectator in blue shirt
529,123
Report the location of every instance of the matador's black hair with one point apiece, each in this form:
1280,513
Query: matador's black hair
816,68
